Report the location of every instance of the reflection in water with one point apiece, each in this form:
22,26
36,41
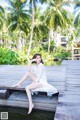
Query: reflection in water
21,114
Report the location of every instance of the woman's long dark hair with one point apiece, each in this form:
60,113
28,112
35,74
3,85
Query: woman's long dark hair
35,55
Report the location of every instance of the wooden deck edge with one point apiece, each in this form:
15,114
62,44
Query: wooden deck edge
11,88
21,104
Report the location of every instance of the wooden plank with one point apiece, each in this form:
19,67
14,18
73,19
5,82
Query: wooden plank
22,104
73,76
73,79
4,93
11,74
68,107
76,72
17,99
71,62
36,98
60,88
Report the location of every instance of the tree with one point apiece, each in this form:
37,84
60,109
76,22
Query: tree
32,26
18,17
3,28
77,14
56,17
40,28
2,18
32,5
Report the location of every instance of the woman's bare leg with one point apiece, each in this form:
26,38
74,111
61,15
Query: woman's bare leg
28,88
28,74
21,80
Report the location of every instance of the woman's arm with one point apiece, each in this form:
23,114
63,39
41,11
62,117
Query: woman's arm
30,63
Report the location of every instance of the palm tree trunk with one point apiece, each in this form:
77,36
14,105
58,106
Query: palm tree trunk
19,44
50,38
32,28
49,43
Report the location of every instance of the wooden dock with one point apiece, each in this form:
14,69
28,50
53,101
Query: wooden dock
66,78
11,74
68,107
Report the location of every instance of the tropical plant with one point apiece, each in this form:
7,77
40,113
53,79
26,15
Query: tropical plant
2,18
32,5
18,17
77,13
56,17
3,29
61,54
40,28
8,56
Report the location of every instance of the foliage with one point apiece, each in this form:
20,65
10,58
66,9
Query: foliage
15,30
2,18
18,16
52,46
8,56
77,14
61,54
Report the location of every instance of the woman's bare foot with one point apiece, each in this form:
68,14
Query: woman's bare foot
17,85
30,108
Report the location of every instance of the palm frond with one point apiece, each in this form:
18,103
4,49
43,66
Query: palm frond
77,21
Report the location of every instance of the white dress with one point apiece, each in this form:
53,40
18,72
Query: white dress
39,71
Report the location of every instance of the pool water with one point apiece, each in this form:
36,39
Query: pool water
21,114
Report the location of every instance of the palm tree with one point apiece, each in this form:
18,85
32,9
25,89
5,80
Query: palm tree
1,22
77,14
3,28
40,28
2,14
18,17
33,4
56,17
32,26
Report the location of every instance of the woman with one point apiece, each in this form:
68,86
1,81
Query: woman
38,76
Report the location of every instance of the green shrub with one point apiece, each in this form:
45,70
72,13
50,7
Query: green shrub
8,56
61,54
52,46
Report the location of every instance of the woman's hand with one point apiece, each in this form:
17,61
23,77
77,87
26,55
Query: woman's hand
33,60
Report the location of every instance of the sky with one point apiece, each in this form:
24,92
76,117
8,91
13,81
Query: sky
3,3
